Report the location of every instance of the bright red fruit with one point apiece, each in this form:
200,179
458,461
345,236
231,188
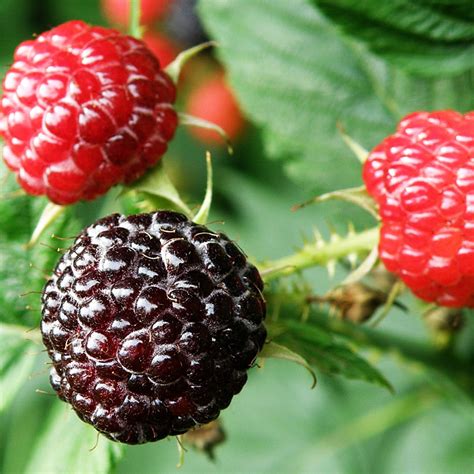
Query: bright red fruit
84,108
422,177
118,11
214,101
163,48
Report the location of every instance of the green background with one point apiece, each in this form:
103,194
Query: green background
297,67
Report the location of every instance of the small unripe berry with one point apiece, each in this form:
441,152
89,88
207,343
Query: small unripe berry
214,101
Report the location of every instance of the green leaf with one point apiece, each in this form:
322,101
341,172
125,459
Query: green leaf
422,37
328,353
69,445
297,77
159,190
13,31
359,152
16,362
14,283
23,271
15,211
272,350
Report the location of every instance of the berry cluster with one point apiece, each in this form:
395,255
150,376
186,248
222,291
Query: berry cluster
422,178
84,108
151,322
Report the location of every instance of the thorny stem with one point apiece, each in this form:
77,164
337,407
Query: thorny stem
323,253
313,254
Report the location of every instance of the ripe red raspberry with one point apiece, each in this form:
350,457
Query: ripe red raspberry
214,101
422,178
151,322
118,11
84,108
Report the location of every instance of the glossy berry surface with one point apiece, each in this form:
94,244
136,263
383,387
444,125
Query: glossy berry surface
151,322
214,101
84,108
117,12
422,178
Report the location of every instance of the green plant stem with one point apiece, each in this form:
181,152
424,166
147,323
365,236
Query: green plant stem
313,254
135,13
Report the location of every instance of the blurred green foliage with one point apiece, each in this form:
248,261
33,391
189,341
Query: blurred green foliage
296,71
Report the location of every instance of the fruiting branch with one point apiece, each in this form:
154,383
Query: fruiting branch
320,253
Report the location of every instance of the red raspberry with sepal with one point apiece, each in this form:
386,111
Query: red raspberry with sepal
422,178
83,109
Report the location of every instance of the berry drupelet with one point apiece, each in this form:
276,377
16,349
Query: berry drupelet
151,322
422,178
83,109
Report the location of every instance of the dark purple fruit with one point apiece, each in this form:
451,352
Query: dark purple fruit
151,322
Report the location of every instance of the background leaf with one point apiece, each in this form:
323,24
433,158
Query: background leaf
426,37
69,445
322,350
19,215
272,350
17,357
297,78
